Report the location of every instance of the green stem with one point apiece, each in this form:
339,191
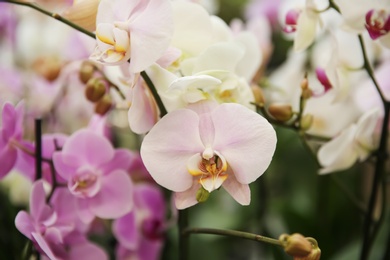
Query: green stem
184,239
54,15
233,233
368,235
367,66
155,94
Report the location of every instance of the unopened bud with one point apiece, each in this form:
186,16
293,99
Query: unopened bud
95,89
296,245
103,105
86,71
315,253
47,67
202,195
306,91
258,94
306,122
281,112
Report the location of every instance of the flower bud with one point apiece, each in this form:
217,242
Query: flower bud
280,112
258,94
47,67
306,122
315,253
202,195
103,105
95,89
296,245
86,71
306,91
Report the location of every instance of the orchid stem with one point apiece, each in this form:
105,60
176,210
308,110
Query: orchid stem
368,68
38,149
53,15
381,157
233,233
184,239
155,94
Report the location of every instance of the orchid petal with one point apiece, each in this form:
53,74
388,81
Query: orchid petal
220,56
44,246
191,19
250,62
151,198
365,129
24,223
306,30
142,114
8,157
91,148
126,231
115,198
87,251
169,145
187,198
84,212
121,161
150,34
339,153
245,139
240,192
105,33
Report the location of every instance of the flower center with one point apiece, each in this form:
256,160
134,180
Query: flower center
291,20
115,41
86,183
377,23
209,168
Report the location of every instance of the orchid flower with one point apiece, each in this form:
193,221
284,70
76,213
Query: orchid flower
207,146
11,131
41,225
373,16
140,232
136,30
96,175
353,143
303,22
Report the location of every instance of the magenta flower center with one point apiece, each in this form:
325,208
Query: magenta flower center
377,23
291,20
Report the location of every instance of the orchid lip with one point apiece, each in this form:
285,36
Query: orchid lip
210,169
377,23
85,183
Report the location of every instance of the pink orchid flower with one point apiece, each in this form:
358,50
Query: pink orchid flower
96,175
42,225
140,232
11,131
139,30
196,150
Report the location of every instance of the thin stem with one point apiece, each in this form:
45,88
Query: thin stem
38,149
54,15
367,66
234,233
368,236
184,239
155,94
